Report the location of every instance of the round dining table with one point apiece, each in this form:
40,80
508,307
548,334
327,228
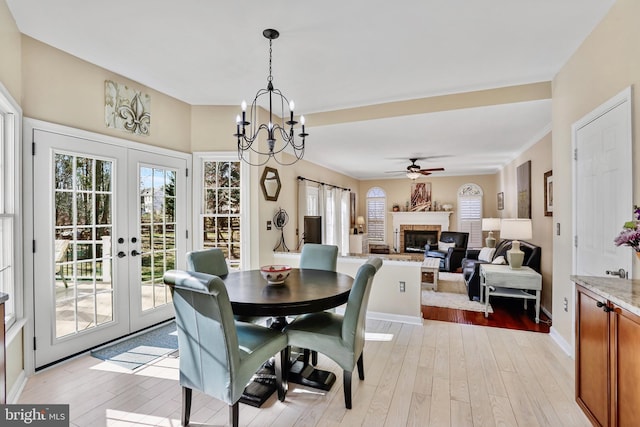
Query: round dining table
304,291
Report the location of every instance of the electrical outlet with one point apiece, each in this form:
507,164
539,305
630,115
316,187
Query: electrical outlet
565,304
402,286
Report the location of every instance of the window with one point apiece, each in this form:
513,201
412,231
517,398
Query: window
470,213
376,214
221,208
10,238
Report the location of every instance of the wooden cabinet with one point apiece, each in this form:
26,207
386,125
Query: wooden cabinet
607,360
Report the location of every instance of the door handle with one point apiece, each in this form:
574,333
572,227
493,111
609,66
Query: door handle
135,253
603,306
621,273
121,254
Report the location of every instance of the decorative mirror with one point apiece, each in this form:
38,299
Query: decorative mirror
270,183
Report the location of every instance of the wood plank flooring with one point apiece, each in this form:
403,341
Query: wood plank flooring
438,374
507,313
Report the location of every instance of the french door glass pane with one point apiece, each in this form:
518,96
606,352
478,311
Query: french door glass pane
157,233
83,262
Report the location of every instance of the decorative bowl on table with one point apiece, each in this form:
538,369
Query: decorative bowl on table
275,274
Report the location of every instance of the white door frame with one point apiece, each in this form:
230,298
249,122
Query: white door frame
624,99
29,125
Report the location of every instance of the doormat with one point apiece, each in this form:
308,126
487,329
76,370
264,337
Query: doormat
139,350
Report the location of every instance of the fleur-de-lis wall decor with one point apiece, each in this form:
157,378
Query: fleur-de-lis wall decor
127,109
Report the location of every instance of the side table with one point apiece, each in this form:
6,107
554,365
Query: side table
430,267
501,280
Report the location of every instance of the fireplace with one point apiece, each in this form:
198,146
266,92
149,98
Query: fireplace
414,240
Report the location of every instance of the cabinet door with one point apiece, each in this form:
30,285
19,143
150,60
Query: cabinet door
625,368
592,356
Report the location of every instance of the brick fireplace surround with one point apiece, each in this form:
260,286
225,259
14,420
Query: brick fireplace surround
419,221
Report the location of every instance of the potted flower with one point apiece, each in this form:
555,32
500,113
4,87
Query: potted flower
630,234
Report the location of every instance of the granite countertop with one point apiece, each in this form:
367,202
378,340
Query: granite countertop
3,297
622,292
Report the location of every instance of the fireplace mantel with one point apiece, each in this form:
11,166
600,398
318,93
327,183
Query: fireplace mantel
440,218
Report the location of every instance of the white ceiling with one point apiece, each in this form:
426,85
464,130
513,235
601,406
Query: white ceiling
340,54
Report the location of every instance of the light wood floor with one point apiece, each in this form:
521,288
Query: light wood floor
439,374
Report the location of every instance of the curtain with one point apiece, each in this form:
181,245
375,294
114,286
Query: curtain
345,221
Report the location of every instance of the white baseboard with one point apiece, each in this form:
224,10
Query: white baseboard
562,343
394,318
545,311
14,394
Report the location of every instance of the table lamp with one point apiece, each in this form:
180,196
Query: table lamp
490,225
360,222
516,229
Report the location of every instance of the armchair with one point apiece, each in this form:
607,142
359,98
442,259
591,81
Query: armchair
218,356
451,249
471,263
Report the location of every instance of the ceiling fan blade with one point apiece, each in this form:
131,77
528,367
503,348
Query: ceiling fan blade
431,170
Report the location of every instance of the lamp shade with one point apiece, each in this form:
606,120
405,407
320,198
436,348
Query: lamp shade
490,224
360,220
516,229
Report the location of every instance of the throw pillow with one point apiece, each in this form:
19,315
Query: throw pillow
499,260
444,247
486,254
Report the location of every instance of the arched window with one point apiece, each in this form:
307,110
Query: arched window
470,213
376,215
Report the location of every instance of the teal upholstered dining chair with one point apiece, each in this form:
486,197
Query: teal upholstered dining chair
341,338
318,257
218,356
213,261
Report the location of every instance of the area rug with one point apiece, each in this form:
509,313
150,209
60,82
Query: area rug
139,350
451,293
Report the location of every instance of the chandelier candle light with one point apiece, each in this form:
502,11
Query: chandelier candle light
248,141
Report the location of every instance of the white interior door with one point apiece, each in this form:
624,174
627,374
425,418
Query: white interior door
108,221
603,187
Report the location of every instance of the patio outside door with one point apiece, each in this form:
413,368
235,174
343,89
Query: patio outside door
108,220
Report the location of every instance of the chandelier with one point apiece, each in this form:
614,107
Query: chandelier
248,132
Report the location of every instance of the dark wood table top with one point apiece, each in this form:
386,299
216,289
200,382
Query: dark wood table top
304,291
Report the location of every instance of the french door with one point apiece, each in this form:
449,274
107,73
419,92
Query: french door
108,221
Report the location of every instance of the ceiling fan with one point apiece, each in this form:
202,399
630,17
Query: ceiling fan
414,171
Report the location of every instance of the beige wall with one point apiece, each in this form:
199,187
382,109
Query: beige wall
71,93
540,156
443,190
607,62
10,61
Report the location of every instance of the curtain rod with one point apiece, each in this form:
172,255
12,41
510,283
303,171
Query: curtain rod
302,178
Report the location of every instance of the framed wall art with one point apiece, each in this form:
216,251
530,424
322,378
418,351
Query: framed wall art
500,201
548,193
420,196
523,175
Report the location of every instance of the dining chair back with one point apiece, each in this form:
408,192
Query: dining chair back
319,257
210,261
218,356
339,337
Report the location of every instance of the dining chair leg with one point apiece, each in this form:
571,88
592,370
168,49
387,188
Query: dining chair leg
305,356
234,414
186,405
361,366
314,357
346,375
281,366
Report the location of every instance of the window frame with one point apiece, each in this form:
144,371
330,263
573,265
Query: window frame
11,206
376,194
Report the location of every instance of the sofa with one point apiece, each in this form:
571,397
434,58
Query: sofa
451,249
471,263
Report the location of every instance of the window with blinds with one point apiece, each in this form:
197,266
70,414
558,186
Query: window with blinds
470,219
376,215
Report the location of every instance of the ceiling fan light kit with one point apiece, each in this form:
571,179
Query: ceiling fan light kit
414,171
248,141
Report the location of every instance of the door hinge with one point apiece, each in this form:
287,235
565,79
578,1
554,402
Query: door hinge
34,344
33,246
575,241
33,148
186,234
186,171
575,154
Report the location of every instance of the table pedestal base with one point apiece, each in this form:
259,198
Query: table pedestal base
261,387
306,374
